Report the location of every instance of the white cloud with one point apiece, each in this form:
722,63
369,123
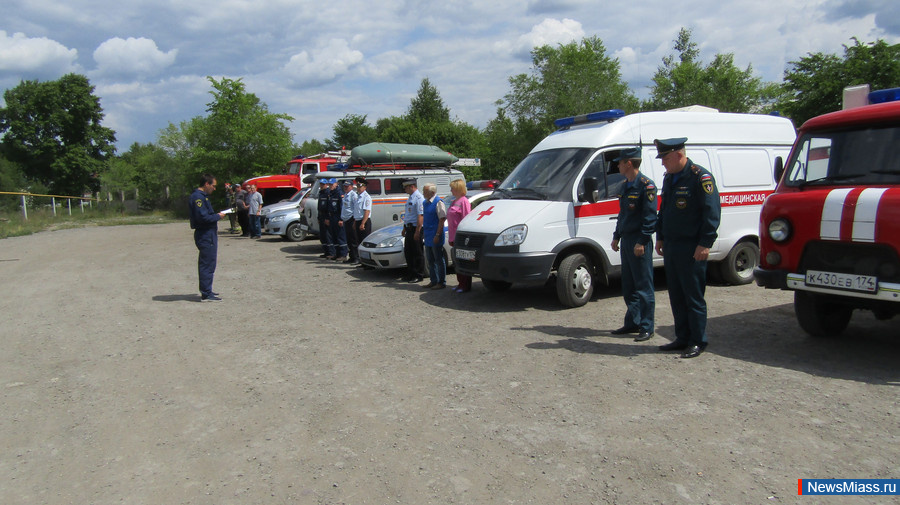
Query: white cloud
132,56
326,63
42,56
389,64
549,32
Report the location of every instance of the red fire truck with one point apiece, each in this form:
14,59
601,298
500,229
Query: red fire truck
831,230
274,188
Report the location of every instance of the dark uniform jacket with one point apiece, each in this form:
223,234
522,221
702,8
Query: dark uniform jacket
322,204
335,199
689,208
203,216
637,211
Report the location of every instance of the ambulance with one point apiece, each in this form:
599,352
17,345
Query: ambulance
831,230
554,216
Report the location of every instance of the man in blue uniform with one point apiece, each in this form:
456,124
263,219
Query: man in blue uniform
687,227
322,205
338,235
413,247
634,229
204,222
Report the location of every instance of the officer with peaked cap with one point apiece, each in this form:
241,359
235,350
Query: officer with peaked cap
687,227
413,218
635,226
323,207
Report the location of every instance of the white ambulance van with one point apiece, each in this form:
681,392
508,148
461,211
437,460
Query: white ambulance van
556,212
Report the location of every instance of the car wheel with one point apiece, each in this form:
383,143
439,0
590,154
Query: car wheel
295,233
574,280
737,267
819,317
495,286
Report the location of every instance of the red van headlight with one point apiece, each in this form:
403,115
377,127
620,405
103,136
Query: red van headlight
780,230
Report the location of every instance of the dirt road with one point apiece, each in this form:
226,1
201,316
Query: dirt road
317,383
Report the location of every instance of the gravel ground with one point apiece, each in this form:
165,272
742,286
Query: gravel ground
322,384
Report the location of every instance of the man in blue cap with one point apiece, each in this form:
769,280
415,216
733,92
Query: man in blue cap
687,227
323,206
634,229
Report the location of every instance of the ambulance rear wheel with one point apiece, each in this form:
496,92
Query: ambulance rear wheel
574,280
737,267
495,286
819,317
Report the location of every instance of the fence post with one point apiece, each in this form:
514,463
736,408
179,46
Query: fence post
24,208
82,205
53,203
69,202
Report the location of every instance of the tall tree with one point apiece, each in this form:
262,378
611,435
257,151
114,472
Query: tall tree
567,80
239,137
427,106
351,131
682,80
814,84
53,130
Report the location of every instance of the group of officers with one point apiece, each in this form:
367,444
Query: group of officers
344,218
686,225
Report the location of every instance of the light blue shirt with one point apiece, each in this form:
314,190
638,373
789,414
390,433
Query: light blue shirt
414,208
348,202
363,204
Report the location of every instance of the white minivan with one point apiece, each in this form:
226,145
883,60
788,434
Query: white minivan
556,212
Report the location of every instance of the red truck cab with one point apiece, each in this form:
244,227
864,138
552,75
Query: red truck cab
831,230
275,188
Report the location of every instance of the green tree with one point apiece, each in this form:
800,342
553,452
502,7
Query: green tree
239,137
814,84
682,80
351,131
53,130
566,80
506,144
311,147
427,106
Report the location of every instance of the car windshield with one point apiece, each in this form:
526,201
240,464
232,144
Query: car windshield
545,175
868,156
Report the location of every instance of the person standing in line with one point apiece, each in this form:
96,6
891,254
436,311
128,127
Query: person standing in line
255,209
459,209
362,211
685,231
434,215
635,226
324,223
412,232
243,209
338,234
347,223
232,217
205,223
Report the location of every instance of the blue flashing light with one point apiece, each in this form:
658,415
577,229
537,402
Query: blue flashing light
593,117
338,167
884,95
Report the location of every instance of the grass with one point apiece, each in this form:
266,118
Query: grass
15,225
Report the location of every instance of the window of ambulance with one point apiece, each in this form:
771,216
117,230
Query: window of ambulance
610,181
545,175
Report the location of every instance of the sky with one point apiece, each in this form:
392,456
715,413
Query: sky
319,61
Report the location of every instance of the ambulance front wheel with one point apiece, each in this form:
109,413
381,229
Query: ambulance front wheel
574,280
819,317
737,267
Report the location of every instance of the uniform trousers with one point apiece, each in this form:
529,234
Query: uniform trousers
637,284
325,238
207,242
352,240
686,282
414,252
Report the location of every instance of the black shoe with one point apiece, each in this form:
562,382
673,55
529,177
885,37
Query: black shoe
351,261
323,255
673,346
429,285
693,351
415,280
210,298
625,330
644,335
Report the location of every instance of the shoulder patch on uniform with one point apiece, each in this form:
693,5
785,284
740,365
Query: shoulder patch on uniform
651,195
707,184
199,203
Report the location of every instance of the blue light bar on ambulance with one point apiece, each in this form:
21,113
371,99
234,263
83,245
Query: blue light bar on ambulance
593,117
884,95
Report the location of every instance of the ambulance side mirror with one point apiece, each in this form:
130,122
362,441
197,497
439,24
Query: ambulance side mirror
591,187
779,169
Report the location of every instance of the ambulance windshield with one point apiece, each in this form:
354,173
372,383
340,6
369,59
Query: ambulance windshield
869,156
545,175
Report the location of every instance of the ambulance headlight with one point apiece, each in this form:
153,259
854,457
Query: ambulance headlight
780,230
514,235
